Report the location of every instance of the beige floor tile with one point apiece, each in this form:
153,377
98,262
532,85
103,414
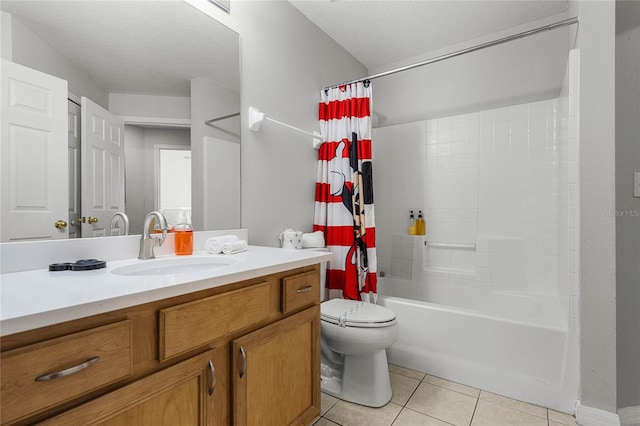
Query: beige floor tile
413,418
515,404
326,402
402,387
348,414
561,418
443,404
325,422
458,387
490,414
406,372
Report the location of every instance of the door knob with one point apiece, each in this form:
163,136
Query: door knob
92,219
60,224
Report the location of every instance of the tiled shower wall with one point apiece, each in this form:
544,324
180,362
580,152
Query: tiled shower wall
499,192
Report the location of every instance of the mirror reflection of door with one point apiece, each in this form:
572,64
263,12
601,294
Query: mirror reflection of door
75,230
102,168
34,155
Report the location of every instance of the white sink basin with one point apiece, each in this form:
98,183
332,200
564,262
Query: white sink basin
172,266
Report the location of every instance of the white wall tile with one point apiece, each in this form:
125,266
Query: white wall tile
500,178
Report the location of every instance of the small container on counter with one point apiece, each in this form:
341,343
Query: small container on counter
183,234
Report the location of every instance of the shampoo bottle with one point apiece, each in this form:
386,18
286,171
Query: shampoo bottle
420,225
412,224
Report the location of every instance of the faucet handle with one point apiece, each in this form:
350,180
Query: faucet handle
159,236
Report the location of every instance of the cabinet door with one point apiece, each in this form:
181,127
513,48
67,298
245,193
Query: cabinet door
276,372
182,394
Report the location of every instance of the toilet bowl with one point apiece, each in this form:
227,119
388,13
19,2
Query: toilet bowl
354,337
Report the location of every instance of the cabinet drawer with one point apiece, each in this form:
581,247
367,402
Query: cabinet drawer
194,324
183,394
300,290
45,374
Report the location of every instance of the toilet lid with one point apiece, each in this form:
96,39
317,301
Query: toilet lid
356,314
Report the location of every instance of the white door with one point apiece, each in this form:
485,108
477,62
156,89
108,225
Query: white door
74,169
102,153
33,150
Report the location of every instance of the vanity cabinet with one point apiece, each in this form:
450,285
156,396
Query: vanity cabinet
178,395
245,353
42,375
275,370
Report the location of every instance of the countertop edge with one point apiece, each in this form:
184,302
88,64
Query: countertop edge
36,320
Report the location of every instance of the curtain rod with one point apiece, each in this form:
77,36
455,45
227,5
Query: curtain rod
224,117
559,24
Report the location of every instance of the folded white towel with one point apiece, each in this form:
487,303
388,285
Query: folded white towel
313,239
234,247
214,244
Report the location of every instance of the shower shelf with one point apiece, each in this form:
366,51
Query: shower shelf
463,246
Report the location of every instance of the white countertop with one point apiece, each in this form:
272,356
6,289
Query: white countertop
37,298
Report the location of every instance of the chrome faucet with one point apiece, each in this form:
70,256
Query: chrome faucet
148,242
125,222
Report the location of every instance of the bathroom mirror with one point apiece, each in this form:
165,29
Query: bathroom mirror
166,69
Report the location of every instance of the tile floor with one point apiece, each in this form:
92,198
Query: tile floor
423,400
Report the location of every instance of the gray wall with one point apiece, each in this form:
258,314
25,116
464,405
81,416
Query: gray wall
210,101
140,169
285,61
31,51
628,208
522,71
596,40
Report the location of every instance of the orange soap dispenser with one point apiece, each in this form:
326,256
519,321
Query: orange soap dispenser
183,239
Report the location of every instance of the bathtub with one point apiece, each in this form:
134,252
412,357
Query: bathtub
506,342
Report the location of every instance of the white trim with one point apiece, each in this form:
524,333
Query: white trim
156,121
590,416
629,416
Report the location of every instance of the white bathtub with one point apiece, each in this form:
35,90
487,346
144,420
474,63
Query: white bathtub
509,343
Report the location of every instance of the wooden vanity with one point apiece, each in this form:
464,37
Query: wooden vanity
243,353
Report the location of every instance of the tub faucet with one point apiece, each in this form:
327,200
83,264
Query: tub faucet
147,241
125,222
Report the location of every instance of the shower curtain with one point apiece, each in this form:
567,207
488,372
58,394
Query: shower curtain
344,192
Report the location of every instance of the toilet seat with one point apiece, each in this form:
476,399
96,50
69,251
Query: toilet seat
352,313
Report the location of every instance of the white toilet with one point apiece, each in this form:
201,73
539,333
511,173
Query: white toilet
354,336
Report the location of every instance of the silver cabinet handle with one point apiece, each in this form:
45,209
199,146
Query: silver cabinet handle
68,371
214,379
244,362
304,289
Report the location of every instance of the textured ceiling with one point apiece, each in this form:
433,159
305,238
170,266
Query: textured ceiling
138,47
381,32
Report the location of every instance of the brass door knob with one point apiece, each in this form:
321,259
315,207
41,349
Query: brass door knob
60,224
92,219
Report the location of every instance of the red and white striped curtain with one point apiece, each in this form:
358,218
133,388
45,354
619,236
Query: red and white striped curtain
344,192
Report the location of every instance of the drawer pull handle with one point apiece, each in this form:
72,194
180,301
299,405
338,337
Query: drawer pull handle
244,362
214,379
304,289
68,371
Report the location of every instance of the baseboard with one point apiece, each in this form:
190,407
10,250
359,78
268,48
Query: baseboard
589,416
629,416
